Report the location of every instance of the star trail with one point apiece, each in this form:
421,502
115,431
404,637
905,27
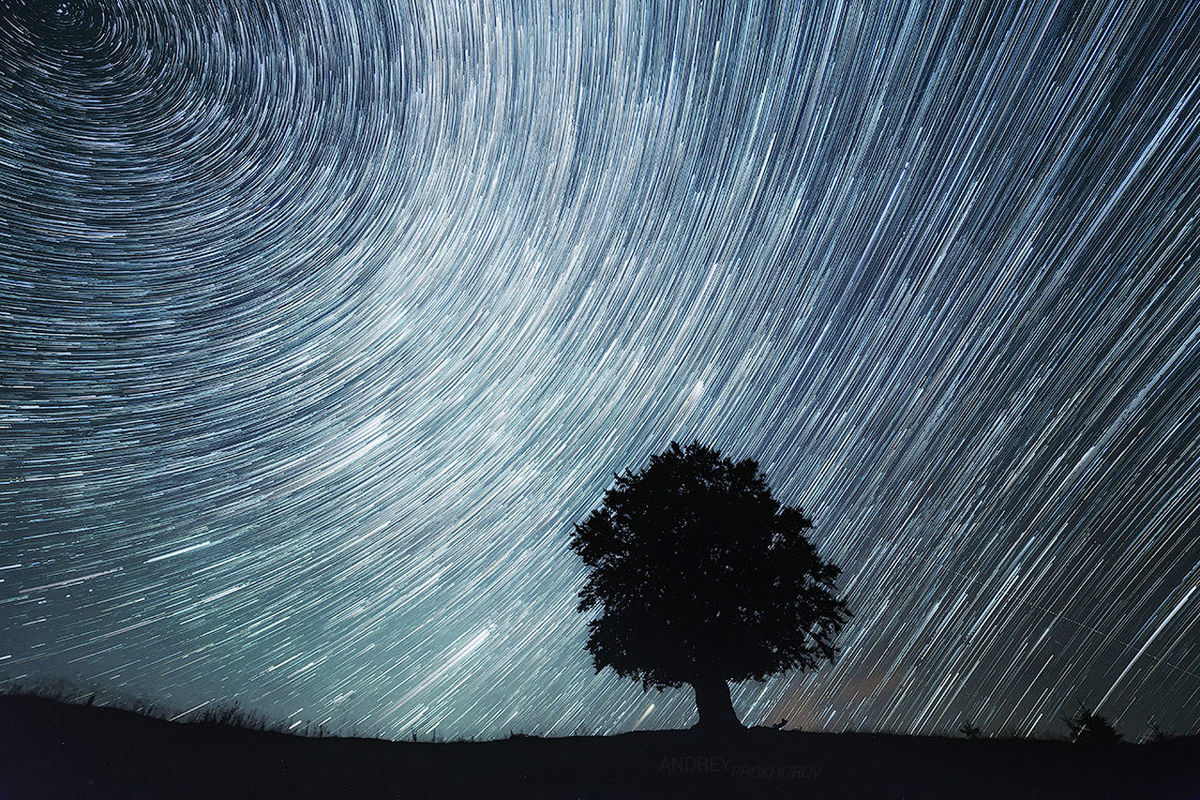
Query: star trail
321,322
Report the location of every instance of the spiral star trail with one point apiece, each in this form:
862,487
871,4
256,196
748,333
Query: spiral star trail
322,322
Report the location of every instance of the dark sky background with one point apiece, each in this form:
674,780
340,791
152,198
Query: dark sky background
322,321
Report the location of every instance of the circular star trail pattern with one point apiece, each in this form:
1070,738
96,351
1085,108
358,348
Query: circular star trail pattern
322,322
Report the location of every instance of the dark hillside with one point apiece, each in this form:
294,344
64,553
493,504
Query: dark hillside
49,749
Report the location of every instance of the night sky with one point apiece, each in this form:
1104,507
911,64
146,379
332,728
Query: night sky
321,322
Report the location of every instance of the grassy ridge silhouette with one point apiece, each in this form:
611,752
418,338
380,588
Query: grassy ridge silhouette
53,748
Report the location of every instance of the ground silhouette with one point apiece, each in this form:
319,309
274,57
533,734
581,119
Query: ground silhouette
50,749
702,577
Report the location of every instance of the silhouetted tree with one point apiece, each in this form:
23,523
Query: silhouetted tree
970,731
1088,727
702,577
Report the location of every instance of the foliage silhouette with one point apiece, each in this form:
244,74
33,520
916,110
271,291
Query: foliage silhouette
702,577
1155,734
1088,727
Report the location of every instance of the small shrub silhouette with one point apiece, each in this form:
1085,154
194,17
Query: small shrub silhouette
1156,734
1088,727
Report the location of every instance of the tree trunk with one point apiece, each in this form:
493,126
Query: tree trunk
714,704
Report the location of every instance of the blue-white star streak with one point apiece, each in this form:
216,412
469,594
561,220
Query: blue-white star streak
321,322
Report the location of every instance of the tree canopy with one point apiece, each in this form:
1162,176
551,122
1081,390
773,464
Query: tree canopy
701,577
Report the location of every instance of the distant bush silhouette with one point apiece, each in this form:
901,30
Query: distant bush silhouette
970,731
1088,727
702,577
1156,734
